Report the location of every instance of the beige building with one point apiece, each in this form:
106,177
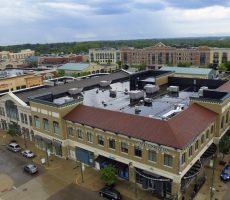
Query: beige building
219,55
104,55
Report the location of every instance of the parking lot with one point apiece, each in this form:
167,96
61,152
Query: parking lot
12,164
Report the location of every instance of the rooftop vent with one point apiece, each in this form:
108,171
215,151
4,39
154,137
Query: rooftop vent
104,83
112,93
136,94
150,89
173,88
126,91
74,91
201,90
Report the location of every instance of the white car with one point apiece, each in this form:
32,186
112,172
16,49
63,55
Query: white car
13,147
28,154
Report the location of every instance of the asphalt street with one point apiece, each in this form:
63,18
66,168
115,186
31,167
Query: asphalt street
12,164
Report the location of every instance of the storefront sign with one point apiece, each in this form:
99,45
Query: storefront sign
152,147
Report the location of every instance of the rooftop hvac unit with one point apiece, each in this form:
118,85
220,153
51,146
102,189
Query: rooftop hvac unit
104,83
150,89
126,91
173,88
59,83
136,94
112,93
48,83
74,91
201,90
137,110
68,99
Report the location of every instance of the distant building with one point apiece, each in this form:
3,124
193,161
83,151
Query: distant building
192,72
104,55
10,60
219,55
91,68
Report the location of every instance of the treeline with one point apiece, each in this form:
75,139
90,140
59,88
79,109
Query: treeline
83,47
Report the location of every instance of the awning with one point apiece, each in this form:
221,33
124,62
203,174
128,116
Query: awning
38,137
57,143
47,141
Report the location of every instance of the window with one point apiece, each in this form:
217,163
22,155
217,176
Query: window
137,151
79,133
196,145
152,155
222,122
227,116
25,118
90,136
2,111
56,127
100,140
36,122
124,147
46,124
190,152
112,143
168,160
30,119
212,129
70,131
207,134
183,158
22,117
202,139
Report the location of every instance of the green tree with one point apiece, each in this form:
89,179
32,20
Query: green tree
180,64
33,64
12,132
224,145
108,174
222,67
61,72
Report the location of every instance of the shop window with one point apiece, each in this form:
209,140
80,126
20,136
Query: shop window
101,140
168,160
112,143
152,156
137,151
36,122
56,127
90,136
124,147
45,124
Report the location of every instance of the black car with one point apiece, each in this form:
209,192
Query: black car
110,193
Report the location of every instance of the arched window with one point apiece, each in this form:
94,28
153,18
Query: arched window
36,122
56,127
11,110
45,124
222,122
227,117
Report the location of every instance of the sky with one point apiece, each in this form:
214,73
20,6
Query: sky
49,21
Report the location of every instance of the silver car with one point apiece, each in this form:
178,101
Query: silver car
14,147
28,154
30,169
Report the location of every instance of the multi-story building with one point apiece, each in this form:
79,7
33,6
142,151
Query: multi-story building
160,55
149,140
104,55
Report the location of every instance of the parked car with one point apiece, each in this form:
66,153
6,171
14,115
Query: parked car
30,169
28,154
225,174
14,147
110,193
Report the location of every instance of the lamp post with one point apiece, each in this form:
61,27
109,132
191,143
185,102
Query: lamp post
212,178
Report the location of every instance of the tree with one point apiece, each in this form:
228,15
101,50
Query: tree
12,132
225,145
61,72
108,174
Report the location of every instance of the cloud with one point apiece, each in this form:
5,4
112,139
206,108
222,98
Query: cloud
45,21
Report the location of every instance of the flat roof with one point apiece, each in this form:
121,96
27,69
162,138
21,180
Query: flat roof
188,70
162,102
88,82
74,66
